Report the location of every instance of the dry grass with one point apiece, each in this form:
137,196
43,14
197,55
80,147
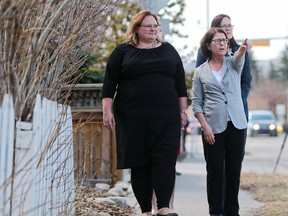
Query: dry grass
271,189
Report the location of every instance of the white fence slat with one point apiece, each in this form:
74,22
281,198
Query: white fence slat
52,160
37,143
67,160
44,164
55,168
25,169
61,166
6,152
70,155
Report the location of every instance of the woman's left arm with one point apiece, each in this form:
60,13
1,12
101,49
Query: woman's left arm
180,85
238,58
183,110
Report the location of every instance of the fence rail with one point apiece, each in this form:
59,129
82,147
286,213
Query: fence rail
36,161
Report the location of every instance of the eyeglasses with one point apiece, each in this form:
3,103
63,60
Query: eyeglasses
229,26
151,26
219,41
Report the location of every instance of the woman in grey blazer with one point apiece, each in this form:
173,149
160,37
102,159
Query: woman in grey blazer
218,106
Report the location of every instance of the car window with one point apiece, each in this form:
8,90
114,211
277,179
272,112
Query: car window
261,117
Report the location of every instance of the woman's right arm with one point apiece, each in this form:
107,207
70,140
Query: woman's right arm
111,80
197,104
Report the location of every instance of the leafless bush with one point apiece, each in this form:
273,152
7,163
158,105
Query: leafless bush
42,42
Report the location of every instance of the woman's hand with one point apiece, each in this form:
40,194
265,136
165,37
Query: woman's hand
206,128
208,134
108,116
108,119
183,118
246,45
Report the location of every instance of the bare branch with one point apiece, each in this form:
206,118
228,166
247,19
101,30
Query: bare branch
43,42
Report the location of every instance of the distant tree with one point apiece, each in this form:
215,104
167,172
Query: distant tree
89,72
256,76
273,73
280,72
174,12
283,69
189,77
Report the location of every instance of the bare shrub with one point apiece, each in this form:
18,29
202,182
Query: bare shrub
42,43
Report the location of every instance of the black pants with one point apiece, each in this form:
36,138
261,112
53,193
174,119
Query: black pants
160,176
223,165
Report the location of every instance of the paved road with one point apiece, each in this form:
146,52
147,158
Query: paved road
190,194
262,153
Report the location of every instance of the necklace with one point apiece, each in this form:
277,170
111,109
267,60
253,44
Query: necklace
148,47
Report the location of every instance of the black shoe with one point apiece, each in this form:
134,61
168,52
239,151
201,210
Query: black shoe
169,214
216,214
178,173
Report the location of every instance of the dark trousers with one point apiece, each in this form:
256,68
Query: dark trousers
223,166
158,175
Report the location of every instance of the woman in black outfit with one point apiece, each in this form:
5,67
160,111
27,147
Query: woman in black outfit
144,95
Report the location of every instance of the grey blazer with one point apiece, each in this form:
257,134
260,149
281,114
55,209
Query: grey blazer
215,101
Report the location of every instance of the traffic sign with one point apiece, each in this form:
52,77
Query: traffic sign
261,42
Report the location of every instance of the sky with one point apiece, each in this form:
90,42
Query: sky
252,19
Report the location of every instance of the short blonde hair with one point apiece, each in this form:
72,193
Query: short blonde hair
131,34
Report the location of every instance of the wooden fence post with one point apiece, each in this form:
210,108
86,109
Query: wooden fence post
94,145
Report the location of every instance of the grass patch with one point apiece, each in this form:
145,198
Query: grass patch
271,189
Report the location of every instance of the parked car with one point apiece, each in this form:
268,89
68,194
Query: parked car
262,122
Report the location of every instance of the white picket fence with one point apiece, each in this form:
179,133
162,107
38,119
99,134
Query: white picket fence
36,161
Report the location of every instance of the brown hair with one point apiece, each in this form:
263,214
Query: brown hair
216,22
131,34
206,40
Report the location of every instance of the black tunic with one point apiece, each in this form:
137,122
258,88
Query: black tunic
148,84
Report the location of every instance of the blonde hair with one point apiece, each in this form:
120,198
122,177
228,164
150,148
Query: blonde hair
131,34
